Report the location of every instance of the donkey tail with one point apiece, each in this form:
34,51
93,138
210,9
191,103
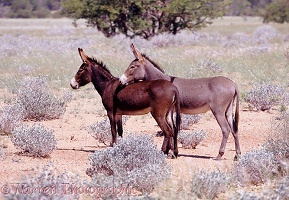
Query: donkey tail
177,108
236,118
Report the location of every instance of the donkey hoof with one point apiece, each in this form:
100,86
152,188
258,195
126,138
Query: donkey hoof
218,157
237,157
171,155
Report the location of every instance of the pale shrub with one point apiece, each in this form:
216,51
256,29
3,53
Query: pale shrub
265,96
101,130
255,167
2,153
279,190
133,161
188,120
207,185
191,140
52,184
36,140
37,101
264,34
10,118
278,143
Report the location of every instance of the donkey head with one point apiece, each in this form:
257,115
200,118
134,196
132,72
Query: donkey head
136,69
83,75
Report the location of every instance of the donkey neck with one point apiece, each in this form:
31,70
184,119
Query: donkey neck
100,78
153,73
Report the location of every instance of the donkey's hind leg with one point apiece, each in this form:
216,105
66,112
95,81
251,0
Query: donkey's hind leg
118,119
168,143
226,129
229,116
112,120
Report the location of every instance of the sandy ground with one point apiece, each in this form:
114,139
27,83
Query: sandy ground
75,144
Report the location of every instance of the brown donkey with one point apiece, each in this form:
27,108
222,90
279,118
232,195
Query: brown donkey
160,97
196,95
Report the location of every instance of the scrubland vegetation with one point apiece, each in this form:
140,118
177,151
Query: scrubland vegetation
39,57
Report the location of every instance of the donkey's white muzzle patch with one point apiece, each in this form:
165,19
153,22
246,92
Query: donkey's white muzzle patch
74,84
123,79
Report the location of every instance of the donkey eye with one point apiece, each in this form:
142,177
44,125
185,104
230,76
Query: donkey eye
132,67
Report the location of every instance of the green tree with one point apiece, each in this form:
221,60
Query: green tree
277,11
145,18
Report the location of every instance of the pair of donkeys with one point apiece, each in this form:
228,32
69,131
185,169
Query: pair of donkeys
144,88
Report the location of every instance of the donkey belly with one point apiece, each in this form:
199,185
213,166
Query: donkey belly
194,110
133,112
136,103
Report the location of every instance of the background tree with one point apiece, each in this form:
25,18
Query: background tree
248,7
277,11
28,8
145,18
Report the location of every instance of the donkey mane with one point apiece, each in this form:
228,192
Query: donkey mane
100,64
154,64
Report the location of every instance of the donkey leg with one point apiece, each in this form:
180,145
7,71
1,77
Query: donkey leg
174,140
229,116
119,125
225,127
168,134
112,120
237,145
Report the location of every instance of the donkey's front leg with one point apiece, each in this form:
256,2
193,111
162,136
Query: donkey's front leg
112,120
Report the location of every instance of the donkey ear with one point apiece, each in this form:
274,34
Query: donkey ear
83,56
136,53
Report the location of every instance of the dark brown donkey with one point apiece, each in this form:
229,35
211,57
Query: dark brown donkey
160,97
196,95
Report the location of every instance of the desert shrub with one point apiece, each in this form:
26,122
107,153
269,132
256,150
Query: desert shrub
246,195
278,143
265,96
48,183
286,51
10,118
278,140
188,120
255,167
133,161
282,190
207,185
238,39
191,140
101,130
278,190
36,140
37,101
2,153
266,33
210,66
